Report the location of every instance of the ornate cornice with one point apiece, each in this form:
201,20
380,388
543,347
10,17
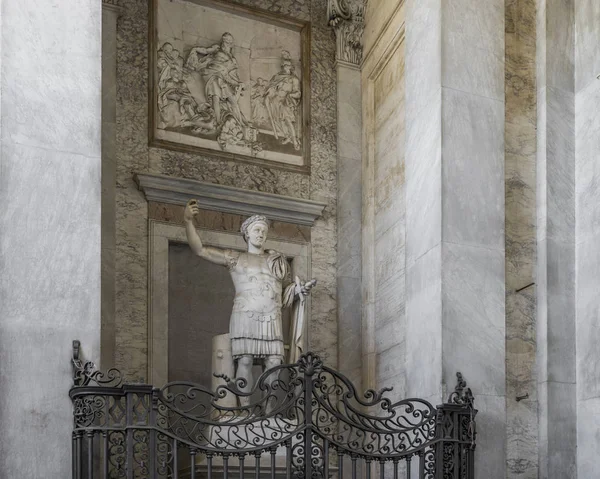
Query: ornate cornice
348,22
228,199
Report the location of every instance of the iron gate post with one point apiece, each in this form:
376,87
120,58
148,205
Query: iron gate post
455,431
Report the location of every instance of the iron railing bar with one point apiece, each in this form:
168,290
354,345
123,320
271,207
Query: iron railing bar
326,457
175,454
241,459
153,433
90,444
257,457
225,466
353,459
273,452
193,463
340,464
129,441
288,460
368,468
79,467
74,456
209,465
381,469
105,453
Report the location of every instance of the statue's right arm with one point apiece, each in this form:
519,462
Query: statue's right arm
214,255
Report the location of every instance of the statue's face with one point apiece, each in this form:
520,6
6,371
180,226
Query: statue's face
257,234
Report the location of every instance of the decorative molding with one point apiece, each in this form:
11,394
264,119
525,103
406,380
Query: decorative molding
210,196
348,22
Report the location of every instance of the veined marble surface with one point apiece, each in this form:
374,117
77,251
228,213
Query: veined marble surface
520,241
134,155
50,170
555,191
587,211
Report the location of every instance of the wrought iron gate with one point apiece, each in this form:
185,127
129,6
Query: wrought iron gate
308,422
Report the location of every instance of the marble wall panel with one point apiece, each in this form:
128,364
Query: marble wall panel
587,166
49,224
349,112
562,430
377,19
587,437
423,162
423,305
556,239
473,328
349,220
559,59
541,188
383,200
588,320
134,155
349,217
473,155
490,420
473,47
587,50
423,56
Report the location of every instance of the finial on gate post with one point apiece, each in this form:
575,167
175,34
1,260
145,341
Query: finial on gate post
462,394
85,373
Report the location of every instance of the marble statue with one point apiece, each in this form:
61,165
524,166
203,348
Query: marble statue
260,279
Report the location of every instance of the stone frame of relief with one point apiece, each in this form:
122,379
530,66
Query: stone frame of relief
231,82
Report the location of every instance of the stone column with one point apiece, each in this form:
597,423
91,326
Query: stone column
455,284
49,224
110,13
347,22
520,177
555,239
587,198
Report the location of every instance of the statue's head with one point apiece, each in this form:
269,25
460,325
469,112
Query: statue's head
227,41
255,230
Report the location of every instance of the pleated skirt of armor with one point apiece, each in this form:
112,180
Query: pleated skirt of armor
256,335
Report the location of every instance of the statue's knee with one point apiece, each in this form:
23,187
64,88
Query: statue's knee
272,361
245,361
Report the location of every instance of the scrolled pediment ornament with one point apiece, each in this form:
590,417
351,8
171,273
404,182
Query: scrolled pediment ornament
348,21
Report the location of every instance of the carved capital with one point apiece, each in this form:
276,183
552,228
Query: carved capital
348,21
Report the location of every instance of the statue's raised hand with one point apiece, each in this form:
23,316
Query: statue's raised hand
191,210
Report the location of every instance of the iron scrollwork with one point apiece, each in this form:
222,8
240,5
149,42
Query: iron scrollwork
85,372
307,409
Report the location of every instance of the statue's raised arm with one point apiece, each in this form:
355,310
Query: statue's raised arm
214,255
258,275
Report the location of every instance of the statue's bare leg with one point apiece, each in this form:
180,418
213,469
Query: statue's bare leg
292,131
217,108
271,362
244,370
235,110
